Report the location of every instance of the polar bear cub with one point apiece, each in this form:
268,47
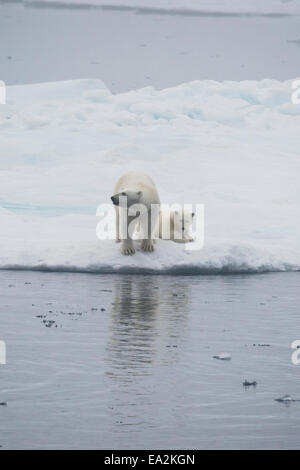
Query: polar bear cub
180,223
133,191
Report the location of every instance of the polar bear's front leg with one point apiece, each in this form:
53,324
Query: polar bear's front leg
147,245
127,247
117,225
149,234
127,243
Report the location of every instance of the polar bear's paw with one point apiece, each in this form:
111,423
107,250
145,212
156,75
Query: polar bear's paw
188,240
147,245
184,240
127,249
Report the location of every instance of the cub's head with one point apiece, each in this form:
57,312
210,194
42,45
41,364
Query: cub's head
183,220
127,197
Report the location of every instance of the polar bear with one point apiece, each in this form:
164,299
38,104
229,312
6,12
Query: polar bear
136,194
180,225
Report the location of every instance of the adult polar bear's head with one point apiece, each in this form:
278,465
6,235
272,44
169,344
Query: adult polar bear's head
127,196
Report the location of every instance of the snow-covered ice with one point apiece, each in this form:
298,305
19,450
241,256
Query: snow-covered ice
233,146
208,6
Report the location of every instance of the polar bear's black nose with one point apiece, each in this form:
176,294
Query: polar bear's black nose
113,199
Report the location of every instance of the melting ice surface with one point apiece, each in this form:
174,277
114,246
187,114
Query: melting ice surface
232,146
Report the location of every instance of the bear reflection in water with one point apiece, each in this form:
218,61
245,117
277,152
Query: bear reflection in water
147,312
148,326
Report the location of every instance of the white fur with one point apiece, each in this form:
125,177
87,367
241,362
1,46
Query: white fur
137,188
180,225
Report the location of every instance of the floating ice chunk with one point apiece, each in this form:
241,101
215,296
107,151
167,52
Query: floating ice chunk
248,383
286,399
223,357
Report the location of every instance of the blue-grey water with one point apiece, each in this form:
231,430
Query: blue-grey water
128,50
112,362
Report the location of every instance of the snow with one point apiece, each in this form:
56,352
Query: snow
204,6
232,146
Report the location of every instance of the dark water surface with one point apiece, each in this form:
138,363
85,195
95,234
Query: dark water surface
127,361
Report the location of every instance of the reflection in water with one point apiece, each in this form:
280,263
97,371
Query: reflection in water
147,325
132,366
134,313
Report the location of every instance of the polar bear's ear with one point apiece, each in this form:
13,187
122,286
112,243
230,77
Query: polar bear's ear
139,193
